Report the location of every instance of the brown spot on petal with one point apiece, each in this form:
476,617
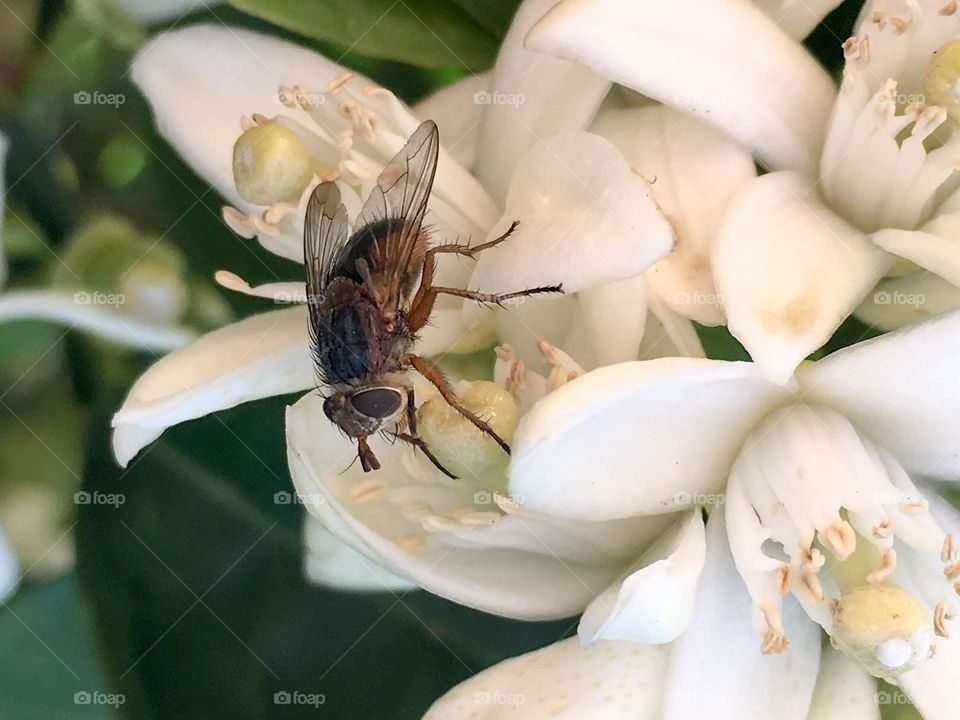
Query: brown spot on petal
796,318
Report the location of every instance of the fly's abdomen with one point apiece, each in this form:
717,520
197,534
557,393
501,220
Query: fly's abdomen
342,347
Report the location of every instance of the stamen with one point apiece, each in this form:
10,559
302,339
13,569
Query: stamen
482,518
841,539
883,531
887,566
277,212
951,551
439,523
411,543
941,616
369,490
337,85
900,25
775,642
784,579
949,9
517,380
952,572
238,222
246,123
810,587
812,559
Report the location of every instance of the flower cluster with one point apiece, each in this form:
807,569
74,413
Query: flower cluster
674,165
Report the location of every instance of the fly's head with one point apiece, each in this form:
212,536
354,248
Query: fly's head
363,411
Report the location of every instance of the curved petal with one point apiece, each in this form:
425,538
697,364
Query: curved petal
449,537
608,681
75,311
716,668
798,17
905,299
695,171
455,109
790,271
261,356
936,247
528,99
331,563
668,334
725,61
654,603
637,438
900,390
585,219
844,690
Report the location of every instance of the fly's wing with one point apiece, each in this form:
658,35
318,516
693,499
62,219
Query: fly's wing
324,237
396,206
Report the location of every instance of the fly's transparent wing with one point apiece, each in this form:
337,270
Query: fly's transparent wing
324,237
397,205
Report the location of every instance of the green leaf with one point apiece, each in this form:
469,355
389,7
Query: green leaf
47,657
427,33
201,609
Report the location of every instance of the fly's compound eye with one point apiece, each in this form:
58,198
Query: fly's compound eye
380,402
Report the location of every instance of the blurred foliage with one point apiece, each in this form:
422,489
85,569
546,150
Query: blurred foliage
191,590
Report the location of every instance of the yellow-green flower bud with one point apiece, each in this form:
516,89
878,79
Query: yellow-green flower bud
459,446
271,164
884,628
941,82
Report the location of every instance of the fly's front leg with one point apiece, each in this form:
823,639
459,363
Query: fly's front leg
474,250
432,373
368,460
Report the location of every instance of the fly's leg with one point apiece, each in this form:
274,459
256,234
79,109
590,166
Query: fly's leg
368,460
422,305
412,437
432,373
497,298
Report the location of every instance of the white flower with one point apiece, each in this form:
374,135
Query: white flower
588,220
858,176
821,489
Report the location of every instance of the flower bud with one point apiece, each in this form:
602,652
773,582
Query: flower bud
458,444
271,164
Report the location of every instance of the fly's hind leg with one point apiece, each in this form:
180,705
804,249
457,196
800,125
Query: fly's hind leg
474,250
497,298
432,373
412,437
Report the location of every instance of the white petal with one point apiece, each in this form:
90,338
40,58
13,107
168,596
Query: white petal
654,603
905,299
585,219
404,517
789,270
844,690
454,108
258,357
899,390
668,334
627,439
609,681
4,147
716,668
725,61
530,97
281,292
798,17
695,170
333,564
9,569
75,311
936,247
